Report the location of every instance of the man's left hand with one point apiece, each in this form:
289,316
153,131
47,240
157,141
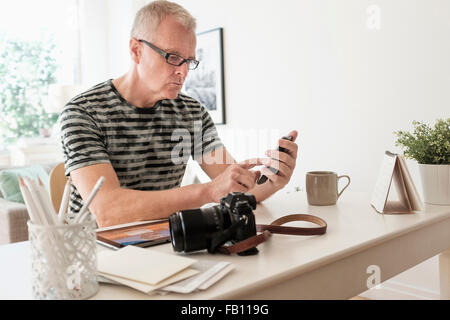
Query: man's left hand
283,162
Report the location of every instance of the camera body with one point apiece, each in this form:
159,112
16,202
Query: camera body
209,228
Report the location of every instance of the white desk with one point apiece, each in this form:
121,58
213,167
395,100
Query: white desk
331,266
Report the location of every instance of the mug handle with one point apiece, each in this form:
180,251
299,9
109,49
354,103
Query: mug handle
339,194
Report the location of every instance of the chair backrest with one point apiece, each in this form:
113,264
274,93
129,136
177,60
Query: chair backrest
57,182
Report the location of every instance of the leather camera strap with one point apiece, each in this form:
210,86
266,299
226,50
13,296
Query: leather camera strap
277,227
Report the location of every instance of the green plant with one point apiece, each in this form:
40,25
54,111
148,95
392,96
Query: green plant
27,68
427,145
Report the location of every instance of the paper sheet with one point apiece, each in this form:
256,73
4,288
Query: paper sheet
222,273
141,264
383,184
407,200
208,269
147,288
416,202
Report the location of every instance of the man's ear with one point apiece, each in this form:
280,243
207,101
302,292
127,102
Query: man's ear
135,50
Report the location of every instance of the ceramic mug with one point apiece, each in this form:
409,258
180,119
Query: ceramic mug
322,187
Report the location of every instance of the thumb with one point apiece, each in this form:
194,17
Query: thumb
294,135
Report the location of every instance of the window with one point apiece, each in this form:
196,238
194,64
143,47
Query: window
39,46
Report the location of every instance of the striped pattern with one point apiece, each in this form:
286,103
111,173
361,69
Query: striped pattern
148,148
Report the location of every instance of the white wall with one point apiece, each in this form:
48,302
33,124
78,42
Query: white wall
315,66
93,41
105,29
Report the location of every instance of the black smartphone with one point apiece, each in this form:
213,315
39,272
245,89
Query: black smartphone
264,178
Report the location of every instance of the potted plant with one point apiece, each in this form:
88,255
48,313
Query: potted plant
430,147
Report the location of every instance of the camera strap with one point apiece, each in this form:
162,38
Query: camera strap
278,228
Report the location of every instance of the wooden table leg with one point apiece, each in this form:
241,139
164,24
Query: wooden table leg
444,274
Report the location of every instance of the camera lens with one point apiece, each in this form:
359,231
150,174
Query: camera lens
176,232
192,230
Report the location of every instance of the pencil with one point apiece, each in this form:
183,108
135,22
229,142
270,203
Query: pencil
32,211
84,211
65,201
45,218
47,203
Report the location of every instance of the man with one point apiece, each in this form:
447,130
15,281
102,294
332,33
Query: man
122,129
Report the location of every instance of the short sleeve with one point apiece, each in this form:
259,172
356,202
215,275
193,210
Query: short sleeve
82,140
208,140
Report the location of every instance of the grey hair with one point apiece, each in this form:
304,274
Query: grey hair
149,17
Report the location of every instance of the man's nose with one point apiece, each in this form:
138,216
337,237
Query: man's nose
182,70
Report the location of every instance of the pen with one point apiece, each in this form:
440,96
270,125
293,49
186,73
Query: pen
84,211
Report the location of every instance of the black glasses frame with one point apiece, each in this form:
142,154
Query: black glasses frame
192,63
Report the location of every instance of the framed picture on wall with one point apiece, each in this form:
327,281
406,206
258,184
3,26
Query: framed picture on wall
206,83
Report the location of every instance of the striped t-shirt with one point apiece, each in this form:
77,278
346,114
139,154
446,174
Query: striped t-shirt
147,147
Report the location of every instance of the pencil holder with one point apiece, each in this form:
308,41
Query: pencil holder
64,261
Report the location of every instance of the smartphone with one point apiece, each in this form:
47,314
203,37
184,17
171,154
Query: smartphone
264,178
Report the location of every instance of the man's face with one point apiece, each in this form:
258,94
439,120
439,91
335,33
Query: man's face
163,80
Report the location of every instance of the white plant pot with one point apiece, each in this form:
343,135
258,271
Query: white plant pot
436,183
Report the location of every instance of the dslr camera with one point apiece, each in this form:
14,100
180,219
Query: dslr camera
210,228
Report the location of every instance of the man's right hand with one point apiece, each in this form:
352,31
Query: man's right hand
236,178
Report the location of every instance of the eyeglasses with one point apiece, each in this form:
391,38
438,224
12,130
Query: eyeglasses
172,58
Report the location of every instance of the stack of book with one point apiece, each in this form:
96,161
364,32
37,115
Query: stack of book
153,271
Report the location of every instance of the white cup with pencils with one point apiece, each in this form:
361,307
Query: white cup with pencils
64,255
